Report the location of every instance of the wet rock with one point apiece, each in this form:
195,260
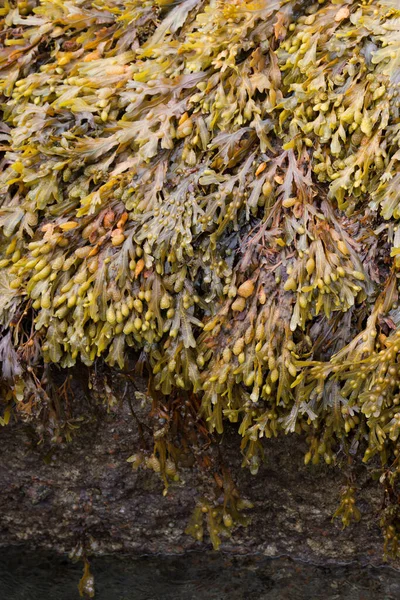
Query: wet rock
86,493
38,492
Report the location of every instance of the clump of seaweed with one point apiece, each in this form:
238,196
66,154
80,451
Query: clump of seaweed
212,187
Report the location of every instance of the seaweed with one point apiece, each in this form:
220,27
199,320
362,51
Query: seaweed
212,188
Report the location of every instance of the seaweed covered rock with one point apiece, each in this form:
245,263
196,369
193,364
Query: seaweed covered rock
206,193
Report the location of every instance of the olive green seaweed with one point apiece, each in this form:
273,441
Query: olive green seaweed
212,187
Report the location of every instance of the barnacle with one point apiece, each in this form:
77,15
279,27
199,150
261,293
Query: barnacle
211,188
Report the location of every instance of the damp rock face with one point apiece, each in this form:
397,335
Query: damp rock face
197,575
87,491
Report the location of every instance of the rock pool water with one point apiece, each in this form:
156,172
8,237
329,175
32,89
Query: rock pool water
27,575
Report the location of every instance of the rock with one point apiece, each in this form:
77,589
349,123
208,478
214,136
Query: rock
88,490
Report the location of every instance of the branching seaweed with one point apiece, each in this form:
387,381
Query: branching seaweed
212,187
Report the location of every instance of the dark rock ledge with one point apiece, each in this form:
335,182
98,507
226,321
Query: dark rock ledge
86,490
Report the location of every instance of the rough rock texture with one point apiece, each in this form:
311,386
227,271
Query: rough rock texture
86,489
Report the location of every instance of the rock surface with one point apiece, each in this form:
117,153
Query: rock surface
86,489
27,575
